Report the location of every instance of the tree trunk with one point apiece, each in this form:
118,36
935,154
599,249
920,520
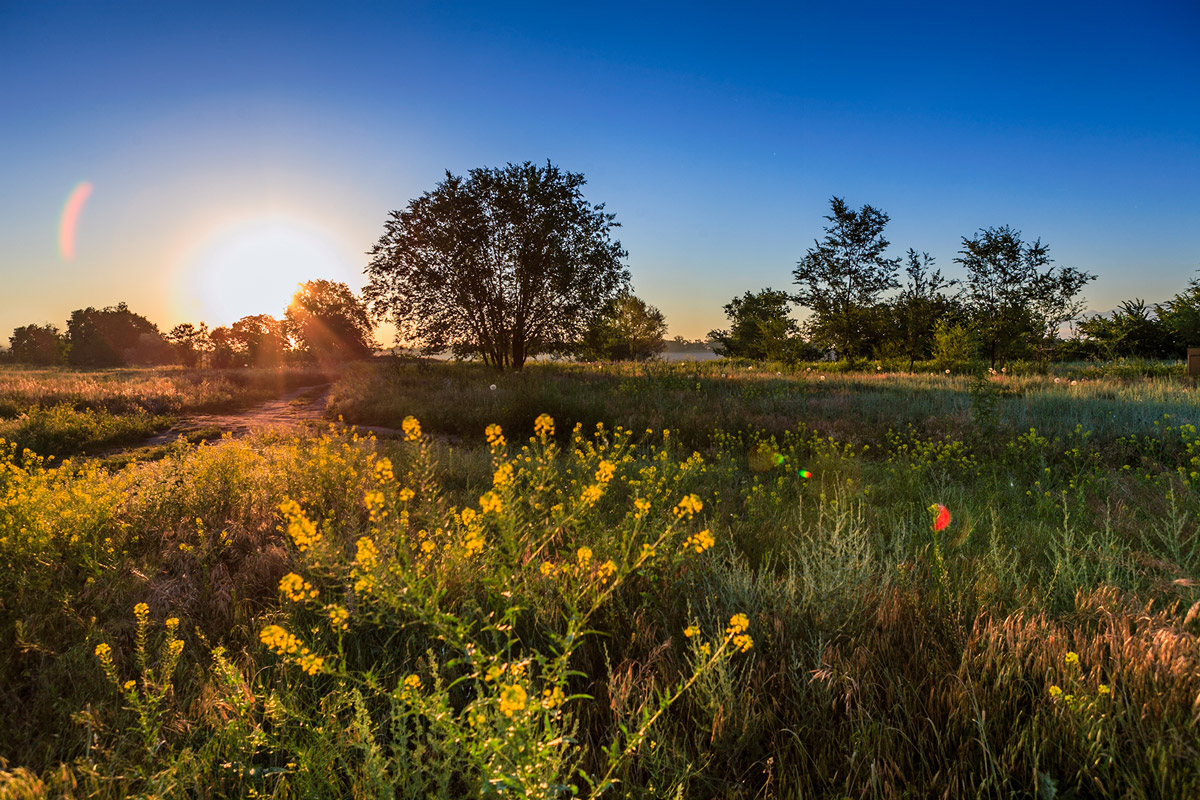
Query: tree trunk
518,350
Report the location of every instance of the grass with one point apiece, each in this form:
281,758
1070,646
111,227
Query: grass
641,597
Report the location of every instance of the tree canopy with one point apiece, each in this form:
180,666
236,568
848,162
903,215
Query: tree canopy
760,328
114,337
843,277
503,264
38,344
626,329
325,319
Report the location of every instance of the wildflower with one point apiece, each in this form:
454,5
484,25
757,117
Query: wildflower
1055,691
512,698
584,556
172,623
405,495
428,547
128,686
543,426
688,506
301,530
412,683
473,541
705,649
490,502
606,471
738,623
467,516
495,436
691,630
296,589
310,664
1103,689
591,494
548,569
141,611
411,428
552,697
606,570
103,652
1072,659
176,647
648,551
492,387
700,542
503,476
641,508
279,640
947,372
338,617
1074,383
743,642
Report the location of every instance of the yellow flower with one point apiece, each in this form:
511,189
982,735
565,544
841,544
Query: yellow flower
103,652
503,476
1055,691
512,698
428,547
176,647
606,570
302,531
700,542
1103,689
490,502
606,471
688,506
543,426
495,436
310,664
591,494
473,541
548,569
552,697
279,640
405,495
296,589
468,516
172,623
584,556
738,623
141,611
691,630
412,683
411,428
129,685
641,508
338,617
1072,659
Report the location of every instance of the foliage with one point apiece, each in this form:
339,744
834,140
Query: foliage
920,306
760,328
843,277
190,342
38,344
504,264
114,337
626,329
328,322
1181,317
1131,331
259,341
1015,299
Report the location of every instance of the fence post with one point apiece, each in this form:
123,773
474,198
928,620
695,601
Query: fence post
1193,362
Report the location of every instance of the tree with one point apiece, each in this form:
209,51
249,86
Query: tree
625,329
189,342
761,328
260,339
1181,317
38,344
842,277
920,305
1015,299
504,264
1132,330
114,337
329,322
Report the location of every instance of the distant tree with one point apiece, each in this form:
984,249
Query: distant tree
260,339
843,277
922,302
1132,330
224,349
329,322
504,264
1180,316
626,329
1015,299
114,337
760,328
190,342
38,344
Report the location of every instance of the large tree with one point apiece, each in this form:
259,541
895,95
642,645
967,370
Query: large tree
503,264
1015,299
38,344
114,337
761,328
328,322
261,340
922,302
843,277
626,329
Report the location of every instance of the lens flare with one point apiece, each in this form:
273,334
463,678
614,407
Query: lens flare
941,517
804,474
70,218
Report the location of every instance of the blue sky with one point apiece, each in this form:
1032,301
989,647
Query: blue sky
234,148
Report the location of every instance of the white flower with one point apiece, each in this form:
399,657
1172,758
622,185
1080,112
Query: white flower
492,387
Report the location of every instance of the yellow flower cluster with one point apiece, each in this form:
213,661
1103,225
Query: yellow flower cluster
172,624
296,588
584,556
366,559
512,699
383,471
543,426
142,612
606,471
302,531
406,494
339,618
592,494
688,507
503,476
1072,659
700,542
552,698
691,630
606,570
490,502
412,683
738,624
411,428
495,437
104,652
641,508
285,644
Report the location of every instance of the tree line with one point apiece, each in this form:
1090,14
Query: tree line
325,322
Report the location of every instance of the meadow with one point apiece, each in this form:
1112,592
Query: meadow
715,579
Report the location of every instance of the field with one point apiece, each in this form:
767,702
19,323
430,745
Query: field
690,580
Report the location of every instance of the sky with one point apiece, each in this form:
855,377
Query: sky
198,160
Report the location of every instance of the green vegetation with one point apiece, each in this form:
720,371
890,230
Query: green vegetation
699,580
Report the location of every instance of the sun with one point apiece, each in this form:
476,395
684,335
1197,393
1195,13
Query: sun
254,267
